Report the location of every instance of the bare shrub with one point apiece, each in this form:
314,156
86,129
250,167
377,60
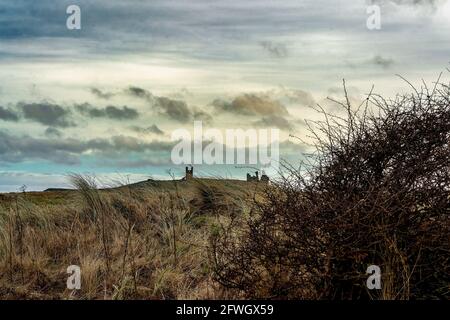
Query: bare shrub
376,191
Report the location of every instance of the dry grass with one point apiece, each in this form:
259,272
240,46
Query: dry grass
130,242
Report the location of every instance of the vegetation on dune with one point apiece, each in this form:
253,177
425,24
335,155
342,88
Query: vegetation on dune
130,242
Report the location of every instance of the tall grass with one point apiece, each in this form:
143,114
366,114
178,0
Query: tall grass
130,243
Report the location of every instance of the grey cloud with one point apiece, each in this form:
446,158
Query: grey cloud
100,94
15,149
53,133
131,144
121,113
203,116
432,3
174,109
274,121
293,96
277,50
8,114
151,129
251,104
382,62
300,96
138,23
187,29
111,112
139,93
46,113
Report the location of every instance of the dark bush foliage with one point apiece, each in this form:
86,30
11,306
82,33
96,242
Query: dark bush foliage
376,192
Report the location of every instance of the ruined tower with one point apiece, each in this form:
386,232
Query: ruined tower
264,178
189,173
255,178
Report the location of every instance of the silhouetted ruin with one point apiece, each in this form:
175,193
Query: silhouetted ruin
265,178
255,178
189,173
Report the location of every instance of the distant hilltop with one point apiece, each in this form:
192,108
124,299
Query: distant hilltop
189,175
57,189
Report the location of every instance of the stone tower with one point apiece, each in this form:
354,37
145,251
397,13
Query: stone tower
265,178
189,173
254,178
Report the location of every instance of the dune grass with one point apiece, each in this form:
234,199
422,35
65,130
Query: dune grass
130,242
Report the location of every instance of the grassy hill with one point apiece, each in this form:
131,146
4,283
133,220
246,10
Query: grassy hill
146,240
188,189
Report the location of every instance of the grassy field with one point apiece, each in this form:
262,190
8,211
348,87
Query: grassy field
142,241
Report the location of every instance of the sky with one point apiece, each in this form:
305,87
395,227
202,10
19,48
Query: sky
104,100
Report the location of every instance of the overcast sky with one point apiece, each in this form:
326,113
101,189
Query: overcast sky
105,99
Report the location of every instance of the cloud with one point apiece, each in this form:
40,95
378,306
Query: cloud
251,104
431,3
100,94
292,96
276,50
53,133
203,116
46,113
8,115
111,112
274,121
181,94
139,93
14,149
151,129
382,62
173,109
18,149
128,144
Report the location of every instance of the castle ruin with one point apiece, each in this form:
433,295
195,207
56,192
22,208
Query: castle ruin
189,174
255,178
